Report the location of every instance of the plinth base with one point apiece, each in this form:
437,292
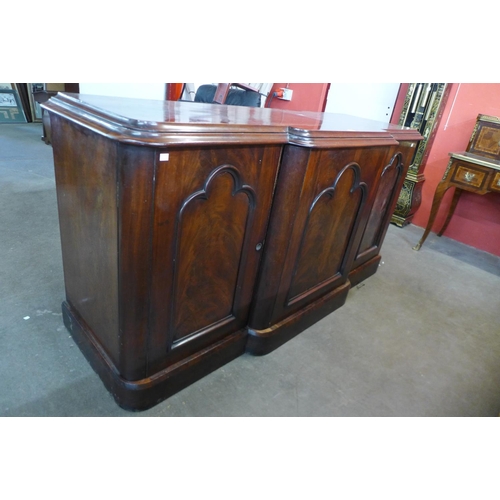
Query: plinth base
364,271
261,342
138,395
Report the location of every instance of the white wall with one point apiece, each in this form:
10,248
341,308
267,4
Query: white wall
137,90
374,101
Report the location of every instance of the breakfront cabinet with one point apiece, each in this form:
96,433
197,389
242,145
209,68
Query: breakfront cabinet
193,232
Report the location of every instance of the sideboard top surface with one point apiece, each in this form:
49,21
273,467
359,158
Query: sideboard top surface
157,122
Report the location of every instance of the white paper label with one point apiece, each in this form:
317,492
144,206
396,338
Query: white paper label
163,156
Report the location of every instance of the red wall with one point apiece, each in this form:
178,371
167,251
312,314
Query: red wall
305,97
476,221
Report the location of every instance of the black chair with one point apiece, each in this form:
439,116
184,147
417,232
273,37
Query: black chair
221,95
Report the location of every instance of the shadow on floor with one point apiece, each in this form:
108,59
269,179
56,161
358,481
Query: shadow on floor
459,251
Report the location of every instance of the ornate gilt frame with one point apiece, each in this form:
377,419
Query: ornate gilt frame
426,123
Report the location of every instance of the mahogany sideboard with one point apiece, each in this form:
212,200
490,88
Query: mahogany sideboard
194,232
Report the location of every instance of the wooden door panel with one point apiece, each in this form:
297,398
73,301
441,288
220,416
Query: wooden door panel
327,212
212,225
389,182
327,232
211,212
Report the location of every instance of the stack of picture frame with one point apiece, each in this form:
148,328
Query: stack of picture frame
17,104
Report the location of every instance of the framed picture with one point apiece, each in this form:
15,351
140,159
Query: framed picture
11,109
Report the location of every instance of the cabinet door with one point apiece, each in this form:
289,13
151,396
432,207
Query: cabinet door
210,216
318,206
380,212
386,188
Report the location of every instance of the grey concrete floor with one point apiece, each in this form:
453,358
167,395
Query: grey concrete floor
419,338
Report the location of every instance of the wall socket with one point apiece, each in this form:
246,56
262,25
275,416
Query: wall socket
287,94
